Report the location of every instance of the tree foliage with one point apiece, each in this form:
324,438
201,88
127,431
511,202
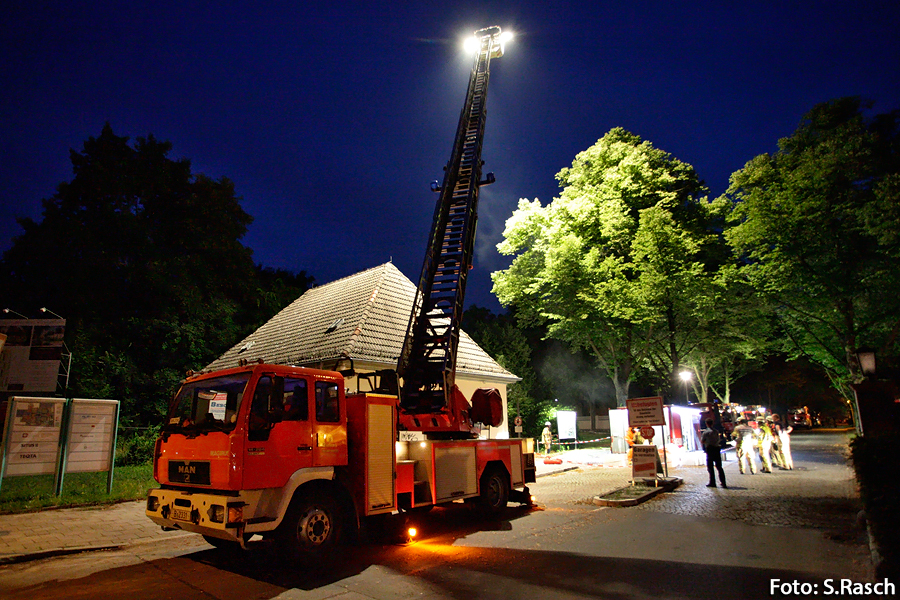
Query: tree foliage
613,264
144,260
817,225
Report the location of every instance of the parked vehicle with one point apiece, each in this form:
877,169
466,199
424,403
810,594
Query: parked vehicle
799,417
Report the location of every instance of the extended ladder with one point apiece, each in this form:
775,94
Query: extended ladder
427,362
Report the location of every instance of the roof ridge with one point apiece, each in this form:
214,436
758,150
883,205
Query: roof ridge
370,303
351,276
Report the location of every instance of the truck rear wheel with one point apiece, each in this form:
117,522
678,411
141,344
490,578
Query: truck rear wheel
494,490
311,527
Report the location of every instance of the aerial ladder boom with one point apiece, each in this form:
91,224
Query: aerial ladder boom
427,363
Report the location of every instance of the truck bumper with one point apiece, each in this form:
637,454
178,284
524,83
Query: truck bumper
214,515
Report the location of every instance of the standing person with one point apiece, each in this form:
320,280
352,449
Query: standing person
709,437
764,435
746,445
784,433
775,427
546,437
633,438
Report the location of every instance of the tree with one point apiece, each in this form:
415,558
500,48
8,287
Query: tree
816,225
144,259
610,264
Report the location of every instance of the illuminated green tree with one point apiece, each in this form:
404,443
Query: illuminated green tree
613,265
817,224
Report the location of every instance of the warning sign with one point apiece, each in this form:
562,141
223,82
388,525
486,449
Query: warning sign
644,462
645,411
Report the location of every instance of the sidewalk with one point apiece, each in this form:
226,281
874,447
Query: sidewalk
29,536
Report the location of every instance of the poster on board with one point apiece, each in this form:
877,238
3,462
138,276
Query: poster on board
32,436
30,357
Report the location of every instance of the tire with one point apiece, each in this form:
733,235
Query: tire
311,527
494,490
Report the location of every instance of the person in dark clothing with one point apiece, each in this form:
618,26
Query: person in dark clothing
710,439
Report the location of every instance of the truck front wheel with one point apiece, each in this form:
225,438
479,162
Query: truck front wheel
310,527
494,490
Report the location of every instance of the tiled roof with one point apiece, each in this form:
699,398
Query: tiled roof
363,316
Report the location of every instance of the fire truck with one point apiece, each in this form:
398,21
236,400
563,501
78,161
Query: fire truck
287,453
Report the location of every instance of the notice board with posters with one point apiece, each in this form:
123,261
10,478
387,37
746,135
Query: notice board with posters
29,359
91,439
33,429
58,436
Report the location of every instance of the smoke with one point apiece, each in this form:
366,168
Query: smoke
576,378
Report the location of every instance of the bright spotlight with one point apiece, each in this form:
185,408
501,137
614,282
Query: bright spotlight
506,36
412,532
472,44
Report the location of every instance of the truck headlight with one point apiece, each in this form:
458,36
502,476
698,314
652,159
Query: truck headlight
152,503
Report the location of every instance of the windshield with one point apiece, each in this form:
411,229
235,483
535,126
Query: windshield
207,405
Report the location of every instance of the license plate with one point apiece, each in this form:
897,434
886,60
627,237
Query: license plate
181,514
195,472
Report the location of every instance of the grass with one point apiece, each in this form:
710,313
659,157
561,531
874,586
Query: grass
632,491
35,492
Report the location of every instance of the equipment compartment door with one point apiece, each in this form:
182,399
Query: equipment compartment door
454,472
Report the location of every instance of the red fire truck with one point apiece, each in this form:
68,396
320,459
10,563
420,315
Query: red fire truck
286,453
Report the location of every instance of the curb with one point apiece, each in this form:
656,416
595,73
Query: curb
20,558
556,472
666,485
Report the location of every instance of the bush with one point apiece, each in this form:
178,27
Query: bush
135,446
878,475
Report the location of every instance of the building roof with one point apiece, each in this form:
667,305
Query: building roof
363,316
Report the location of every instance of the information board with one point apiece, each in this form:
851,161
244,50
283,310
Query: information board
566,423
645,411
92,434
33,430
30,357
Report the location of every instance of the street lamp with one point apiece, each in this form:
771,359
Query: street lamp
865,358
47,310
686,377
9,310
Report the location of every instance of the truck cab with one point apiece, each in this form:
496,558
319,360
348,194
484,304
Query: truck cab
237,443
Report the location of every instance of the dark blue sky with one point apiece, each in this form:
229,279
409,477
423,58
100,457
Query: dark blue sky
332,118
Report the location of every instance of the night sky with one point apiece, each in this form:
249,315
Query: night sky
332,118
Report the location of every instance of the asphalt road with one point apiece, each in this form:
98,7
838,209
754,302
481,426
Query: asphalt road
749,541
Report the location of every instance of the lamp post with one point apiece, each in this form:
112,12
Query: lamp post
686,377
18,314
67,369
